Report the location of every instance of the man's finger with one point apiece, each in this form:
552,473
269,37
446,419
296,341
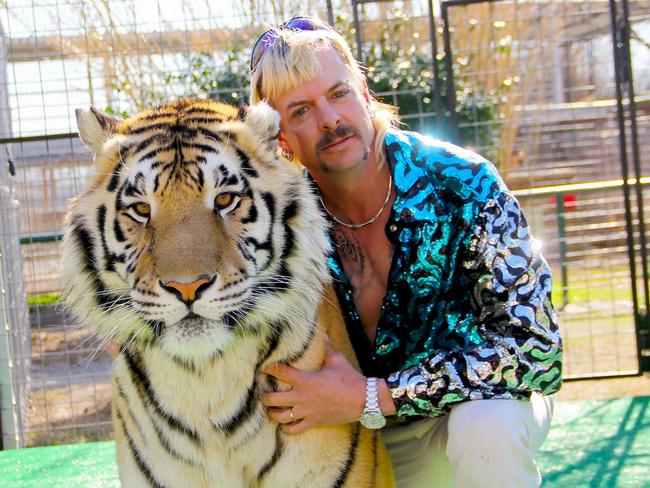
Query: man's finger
275,414
281,415
283,372
296,427
331,355
282,399
328,344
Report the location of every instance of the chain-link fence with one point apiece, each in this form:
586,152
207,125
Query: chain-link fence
552,65
532,87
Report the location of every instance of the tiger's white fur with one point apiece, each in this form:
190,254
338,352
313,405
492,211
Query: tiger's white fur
186,384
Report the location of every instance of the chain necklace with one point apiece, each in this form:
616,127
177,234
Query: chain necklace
368,222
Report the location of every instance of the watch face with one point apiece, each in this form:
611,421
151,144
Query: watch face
372,420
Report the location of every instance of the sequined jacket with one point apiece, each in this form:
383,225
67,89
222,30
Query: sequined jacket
467,312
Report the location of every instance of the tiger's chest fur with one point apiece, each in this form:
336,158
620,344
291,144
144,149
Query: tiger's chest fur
203,255
179,425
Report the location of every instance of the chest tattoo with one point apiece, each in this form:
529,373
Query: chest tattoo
349,248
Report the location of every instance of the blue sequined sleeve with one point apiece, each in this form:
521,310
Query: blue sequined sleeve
520,350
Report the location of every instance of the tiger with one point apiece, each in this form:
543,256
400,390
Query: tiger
203,253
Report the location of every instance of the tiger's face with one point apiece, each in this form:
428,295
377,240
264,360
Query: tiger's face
193,229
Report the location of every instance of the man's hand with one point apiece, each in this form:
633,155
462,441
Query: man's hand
334,395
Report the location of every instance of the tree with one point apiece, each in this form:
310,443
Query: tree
399,74
405,74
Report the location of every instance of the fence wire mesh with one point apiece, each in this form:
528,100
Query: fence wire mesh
534,90
551,65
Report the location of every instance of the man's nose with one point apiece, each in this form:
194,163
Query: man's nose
329,117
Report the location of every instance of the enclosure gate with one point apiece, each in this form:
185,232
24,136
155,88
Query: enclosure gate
568,211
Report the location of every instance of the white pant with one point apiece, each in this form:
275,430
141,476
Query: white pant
480,443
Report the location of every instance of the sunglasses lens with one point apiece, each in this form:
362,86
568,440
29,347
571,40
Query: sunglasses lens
301,23
267,39
261,45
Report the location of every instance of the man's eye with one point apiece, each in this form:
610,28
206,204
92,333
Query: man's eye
299,112
340,93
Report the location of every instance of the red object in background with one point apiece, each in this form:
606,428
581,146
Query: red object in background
570,201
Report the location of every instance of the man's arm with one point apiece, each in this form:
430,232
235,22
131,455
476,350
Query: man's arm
521,349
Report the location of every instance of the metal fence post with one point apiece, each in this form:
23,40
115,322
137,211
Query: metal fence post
15,336
561,230
623,79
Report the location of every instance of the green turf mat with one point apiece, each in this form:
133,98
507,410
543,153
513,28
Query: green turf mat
598,444
592,444
90,465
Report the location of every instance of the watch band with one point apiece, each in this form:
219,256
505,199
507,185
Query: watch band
372,398
371,417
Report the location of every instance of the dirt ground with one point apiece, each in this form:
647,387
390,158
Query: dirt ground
70,389
603,389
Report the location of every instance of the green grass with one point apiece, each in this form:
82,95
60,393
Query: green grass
43,298
587,293
592,284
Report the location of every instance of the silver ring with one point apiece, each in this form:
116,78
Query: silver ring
291,414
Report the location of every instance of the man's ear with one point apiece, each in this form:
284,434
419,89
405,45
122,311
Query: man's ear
284,144
365,91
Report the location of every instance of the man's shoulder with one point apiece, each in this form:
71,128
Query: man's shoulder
446,166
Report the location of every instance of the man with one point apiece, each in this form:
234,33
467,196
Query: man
445,296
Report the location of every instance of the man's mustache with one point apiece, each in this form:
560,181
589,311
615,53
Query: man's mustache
338,133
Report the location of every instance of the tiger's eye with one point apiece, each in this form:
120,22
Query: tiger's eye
223,200
142,209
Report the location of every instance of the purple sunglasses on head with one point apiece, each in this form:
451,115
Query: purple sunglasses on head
267,39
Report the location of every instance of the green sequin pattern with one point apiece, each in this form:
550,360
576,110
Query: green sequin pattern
467,313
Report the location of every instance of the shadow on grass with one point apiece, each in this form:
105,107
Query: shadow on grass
606,444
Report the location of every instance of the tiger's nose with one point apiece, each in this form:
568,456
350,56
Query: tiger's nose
188,292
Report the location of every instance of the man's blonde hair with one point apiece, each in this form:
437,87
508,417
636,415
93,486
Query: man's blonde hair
291,60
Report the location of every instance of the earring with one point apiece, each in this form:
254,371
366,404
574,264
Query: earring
287,155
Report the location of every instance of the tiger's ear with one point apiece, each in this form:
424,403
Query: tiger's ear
95,127
265,122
